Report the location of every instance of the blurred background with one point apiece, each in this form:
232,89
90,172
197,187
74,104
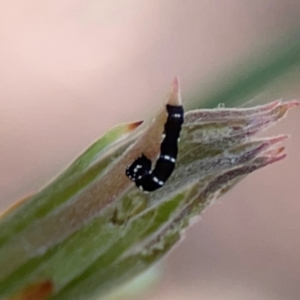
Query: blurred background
69,70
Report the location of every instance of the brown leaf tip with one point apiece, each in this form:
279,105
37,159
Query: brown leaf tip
38,291
133,126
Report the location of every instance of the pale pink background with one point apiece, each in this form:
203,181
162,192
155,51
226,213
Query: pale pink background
69,70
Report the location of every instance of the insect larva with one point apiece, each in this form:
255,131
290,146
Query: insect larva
140,170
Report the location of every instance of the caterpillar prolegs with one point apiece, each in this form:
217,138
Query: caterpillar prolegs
140,170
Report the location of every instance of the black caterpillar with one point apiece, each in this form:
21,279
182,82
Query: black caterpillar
140,170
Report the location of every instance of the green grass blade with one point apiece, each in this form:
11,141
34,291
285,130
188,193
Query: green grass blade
247,79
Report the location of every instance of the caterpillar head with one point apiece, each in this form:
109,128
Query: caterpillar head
139,168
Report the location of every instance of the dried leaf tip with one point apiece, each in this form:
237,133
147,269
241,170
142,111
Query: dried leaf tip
37,291
174,97
133,126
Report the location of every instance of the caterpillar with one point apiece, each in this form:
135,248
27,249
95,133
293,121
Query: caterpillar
140,171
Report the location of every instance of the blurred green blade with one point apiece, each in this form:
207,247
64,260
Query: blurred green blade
247,79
